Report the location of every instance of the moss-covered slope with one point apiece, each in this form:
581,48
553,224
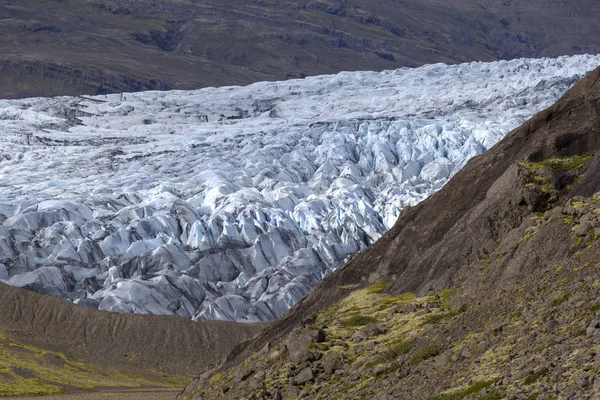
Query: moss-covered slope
537,338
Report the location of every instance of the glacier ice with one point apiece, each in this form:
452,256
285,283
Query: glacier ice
231,203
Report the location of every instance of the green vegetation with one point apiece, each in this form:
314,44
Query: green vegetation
377,287
540,183
595,308
392,368
535,376
530,232
216,377
394,299
425,353
470,352
447,293
560,300
473,389
359,320
393,352
591,238
557,163
492,395
437,317
401,349
485,263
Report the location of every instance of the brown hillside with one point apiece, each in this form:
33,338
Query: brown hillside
72,47
36,329
491,286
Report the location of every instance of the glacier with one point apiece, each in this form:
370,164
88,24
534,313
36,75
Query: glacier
231,203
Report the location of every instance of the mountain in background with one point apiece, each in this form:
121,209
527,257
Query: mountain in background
73,47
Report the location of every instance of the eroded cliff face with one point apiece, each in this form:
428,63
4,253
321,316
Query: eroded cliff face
488,289
106,46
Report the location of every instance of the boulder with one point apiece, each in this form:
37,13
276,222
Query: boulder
332,362
243,373
297,347
306,375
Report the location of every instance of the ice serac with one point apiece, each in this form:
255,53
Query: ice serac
231,203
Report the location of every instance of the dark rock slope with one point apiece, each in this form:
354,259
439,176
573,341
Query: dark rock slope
489,289
72,47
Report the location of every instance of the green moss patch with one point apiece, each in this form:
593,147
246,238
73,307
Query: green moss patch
530,379
475,388
560,300
392,353
557,163
394,299
359,320
425,353
436,318
377,287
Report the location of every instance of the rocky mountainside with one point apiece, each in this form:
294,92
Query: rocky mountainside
49,346
73,47
488,289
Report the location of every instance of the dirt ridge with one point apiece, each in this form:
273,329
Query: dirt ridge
169,344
